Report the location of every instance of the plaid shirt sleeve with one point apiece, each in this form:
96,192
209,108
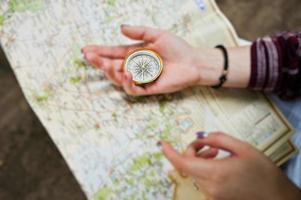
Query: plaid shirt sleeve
276,65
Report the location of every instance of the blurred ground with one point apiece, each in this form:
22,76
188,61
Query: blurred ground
31,167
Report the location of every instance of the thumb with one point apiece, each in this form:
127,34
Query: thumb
144,33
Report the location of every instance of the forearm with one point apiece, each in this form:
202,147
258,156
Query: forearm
271,64
210,64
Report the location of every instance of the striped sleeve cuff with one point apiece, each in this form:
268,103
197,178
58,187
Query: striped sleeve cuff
276,65
265,65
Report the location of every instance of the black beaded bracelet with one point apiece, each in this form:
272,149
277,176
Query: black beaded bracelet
223,77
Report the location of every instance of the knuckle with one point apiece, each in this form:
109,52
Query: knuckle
183,166
246,146
190,146
217,136
181,169
213,191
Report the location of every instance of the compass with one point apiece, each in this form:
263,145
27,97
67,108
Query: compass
145,65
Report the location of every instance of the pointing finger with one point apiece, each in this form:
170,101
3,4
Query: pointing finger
120,51
93,60
194,147
146,34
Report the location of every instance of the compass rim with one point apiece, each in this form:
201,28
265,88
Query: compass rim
153,53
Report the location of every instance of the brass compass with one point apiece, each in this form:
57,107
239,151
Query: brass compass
145,65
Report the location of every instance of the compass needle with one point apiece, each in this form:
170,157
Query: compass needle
144,65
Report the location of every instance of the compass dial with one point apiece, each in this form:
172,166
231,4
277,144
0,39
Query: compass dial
144,65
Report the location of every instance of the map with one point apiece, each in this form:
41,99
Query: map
108,138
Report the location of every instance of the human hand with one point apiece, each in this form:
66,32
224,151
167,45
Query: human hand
246,174
180,68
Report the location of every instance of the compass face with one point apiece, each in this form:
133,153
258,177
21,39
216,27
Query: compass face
144,65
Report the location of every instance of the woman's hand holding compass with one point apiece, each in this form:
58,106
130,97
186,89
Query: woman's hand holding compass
161,63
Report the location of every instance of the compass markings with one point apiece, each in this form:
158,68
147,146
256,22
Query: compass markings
143,67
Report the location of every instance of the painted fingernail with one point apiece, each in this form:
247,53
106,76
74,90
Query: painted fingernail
200,135
159,145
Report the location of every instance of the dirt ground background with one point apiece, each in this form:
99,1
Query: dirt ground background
31,168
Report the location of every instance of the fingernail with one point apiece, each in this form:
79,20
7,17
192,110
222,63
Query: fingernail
124,25
84,56
200,135
159,145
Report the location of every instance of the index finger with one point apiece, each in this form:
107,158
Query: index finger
194,147
147,34
119,51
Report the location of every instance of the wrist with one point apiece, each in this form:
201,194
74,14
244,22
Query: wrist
210,66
